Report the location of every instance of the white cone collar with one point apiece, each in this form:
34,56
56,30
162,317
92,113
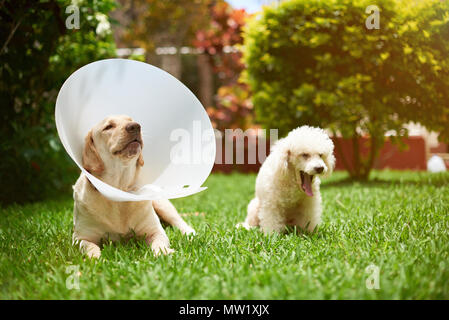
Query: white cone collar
179,141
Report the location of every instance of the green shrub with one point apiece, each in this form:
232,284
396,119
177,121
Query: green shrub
39,55
315,62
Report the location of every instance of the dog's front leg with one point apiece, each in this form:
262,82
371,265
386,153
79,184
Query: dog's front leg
271,220
167,211
159,243
309,214
155,235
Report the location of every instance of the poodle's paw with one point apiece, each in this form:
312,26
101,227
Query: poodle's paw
243,225
273,229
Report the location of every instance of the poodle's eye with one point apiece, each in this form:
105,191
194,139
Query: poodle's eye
305,155
108,127
321,155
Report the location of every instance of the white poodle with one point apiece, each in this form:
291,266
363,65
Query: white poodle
288,183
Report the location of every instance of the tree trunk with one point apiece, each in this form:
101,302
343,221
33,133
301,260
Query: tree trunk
172,63
362,166
356,156
206,80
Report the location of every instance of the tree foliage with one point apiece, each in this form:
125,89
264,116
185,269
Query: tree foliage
37,54
221,41
315,62
424,32
165,23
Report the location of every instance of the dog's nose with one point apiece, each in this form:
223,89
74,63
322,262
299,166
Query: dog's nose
319,169
133,127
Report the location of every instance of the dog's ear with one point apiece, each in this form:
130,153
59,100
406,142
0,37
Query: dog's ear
285,160
91,159
329,160
140,161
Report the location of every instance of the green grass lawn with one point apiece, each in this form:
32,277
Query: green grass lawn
398,222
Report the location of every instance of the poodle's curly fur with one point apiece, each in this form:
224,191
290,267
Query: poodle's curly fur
288,183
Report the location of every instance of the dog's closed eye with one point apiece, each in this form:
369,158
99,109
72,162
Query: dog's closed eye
108,127
305,155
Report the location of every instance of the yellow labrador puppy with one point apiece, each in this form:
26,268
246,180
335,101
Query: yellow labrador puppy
113,153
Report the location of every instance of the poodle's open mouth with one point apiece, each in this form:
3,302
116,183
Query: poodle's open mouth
306,183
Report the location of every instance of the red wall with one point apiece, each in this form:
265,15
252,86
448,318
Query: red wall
412,158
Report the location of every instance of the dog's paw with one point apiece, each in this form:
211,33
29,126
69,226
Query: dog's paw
243,225
93,253
188,231
161,249
164,251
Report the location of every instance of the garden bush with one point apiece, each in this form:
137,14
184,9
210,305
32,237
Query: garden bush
38,52
316,62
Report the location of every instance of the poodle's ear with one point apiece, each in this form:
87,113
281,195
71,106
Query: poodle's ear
329,160
285,160
91,159
330,163
140,161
